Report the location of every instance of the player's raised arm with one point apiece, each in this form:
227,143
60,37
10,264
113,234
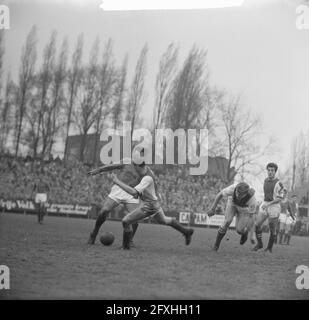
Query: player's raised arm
213,207
105,168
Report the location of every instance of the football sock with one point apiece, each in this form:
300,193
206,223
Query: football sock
127,235
134,228
258,234
280,237
221,233
100,220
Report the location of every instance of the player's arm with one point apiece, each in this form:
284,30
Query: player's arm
291,211
213,207
105,168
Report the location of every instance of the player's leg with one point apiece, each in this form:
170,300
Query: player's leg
108,205
42,208
243,224
230,212
273,223
161,218
132,218
288,231
130,208
252,229
281,231
260,219
277,232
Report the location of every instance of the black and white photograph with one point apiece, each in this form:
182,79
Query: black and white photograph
154,151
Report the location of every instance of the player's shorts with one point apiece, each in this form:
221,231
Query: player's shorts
289,220
282,217
40,197
120,196
273,211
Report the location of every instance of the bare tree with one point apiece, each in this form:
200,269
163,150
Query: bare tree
6,114
2,51
74,81
57,94
120,90
25,82
44,82
240,132
137,90
88,98
167,67
107,80
302,160
187,94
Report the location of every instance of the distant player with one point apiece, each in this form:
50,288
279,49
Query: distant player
241,203
147,191
270,207
291,219
41,190
285,218
117,195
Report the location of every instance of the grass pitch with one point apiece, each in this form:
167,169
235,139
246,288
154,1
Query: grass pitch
53,261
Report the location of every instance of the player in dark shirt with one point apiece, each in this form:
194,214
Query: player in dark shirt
270,207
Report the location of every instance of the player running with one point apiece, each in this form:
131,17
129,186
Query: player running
146,190
41,188
270,207
241,203
117,195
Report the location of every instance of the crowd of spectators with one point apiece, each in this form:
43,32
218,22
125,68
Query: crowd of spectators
69,183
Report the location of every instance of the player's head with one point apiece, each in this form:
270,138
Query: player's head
294,197
241,190
140,168
271,169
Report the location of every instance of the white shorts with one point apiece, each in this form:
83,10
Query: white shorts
282,217
289,220
273,211
120,196
40,197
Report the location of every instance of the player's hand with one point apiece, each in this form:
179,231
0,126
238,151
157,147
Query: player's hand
211,212
113,177
91,172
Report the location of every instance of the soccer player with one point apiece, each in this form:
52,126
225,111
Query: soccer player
291,219
42,189
270,207
147,191
285,218
241,203
117,195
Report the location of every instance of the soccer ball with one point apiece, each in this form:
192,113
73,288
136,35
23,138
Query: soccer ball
107,238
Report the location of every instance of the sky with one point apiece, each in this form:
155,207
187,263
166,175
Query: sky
255,50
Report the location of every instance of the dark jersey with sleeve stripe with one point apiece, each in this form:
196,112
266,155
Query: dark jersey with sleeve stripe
272,189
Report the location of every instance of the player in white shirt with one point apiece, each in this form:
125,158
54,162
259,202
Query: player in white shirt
146,190
241,203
